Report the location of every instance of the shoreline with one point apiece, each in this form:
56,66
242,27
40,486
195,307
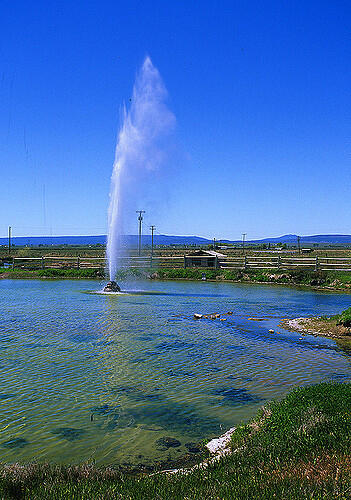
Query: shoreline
290,445
302,281
317,326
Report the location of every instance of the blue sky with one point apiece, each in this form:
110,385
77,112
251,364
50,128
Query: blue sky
260,91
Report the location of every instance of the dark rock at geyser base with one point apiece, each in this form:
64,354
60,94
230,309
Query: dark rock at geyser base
112,286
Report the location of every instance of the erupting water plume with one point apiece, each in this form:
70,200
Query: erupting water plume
138,151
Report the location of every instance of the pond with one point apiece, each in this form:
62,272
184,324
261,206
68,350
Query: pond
133,378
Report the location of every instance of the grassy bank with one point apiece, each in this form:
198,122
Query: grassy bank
294,449
336,326
7,273
325,279
332,280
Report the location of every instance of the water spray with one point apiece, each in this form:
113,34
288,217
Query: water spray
138,152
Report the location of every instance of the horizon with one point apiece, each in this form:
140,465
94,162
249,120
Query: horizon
135,235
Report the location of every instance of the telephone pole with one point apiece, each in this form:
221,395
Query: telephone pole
152,241
140,219
244,234
214,244
9,240
298,243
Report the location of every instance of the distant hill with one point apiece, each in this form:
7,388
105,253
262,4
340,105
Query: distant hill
129,240
162,239
291,239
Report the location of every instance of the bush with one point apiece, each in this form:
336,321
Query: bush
345,317
70,273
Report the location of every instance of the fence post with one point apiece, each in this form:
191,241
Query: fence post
78,262
184,262
42,262
245,262
278,261
13,263
316,264
216,262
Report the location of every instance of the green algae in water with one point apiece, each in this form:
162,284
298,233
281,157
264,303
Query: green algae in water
69,433
15,443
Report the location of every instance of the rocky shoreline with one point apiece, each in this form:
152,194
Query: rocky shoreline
326,327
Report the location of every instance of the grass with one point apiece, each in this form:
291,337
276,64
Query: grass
345,318
87,273
297,448
335,280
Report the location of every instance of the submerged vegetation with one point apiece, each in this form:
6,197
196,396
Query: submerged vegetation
296,448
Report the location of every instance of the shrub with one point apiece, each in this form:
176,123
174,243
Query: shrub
345,317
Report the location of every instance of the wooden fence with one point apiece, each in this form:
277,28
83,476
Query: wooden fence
278,262
92,262
240,262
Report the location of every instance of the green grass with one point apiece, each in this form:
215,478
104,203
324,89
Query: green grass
52,273
344,318
338,280
294,449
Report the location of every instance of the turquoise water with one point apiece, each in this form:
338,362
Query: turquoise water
88,377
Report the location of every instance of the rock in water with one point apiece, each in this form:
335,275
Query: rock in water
112,286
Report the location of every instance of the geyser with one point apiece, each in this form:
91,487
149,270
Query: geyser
138,151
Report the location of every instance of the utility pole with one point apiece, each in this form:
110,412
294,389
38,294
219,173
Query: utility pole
298,243
214,244
244,234
152,241
9,240
140,219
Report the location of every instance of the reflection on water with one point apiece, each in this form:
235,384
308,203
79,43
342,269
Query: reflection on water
133,378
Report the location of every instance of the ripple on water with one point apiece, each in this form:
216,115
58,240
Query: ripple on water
6,396
112,376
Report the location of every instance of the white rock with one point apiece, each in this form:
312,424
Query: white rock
220,445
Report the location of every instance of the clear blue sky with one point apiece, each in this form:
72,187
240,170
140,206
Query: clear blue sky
260,91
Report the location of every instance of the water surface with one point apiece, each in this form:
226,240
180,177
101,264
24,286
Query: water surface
89,377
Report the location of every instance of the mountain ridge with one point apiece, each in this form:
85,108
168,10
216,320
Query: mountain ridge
162,239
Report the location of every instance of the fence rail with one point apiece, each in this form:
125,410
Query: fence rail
281,263
55,262
237,262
